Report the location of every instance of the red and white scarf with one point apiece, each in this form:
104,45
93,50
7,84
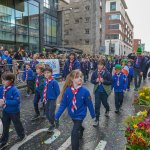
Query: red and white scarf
100,72
5,90
70,66
45,89
37,80
118,79
74,101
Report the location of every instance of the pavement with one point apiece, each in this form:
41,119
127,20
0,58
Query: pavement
109,135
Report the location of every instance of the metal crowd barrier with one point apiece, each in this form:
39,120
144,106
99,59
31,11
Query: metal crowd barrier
17,67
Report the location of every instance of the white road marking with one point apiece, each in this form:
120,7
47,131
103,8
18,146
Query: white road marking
16,146
55,135
66,144
101,145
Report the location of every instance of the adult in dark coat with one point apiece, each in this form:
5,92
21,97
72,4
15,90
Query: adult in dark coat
71,64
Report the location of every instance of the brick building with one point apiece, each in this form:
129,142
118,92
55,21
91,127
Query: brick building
119,28
136,44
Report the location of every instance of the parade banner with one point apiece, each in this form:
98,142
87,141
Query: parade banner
53,63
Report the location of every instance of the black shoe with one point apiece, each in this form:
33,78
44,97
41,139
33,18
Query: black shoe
81,133
51,128
3,146
20,139
35,117
117,111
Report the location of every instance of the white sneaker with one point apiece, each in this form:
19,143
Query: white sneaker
96,123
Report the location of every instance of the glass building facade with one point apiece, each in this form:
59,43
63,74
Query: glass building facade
29,24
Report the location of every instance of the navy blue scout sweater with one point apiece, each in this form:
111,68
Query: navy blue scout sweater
107,79
13,99
75,65
30,75
83,99
41,84
131,71
33,65
53,90
122,83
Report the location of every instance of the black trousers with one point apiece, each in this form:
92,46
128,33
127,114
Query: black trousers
6,119
37,98
100,97
30,86
137,78
86,75
118,100
145,72
129,81
50,108
77,128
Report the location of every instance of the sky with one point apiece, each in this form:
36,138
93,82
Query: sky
139,13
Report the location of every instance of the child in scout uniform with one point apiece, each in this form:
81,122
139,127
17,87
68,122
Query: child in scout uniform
119,84
39,89
51,92
28,76
76,99
10,100
101,78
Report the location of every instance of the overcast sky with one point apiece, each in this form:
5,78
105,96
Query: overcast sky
139,13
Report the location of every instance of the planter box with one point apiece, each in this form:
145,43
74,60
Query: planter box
139,108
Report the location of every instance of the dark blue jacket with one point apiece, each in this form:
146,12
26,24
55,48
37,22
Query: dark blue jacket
9,60
4,57
122,83
131,71
140,66
30,75
83,101
33,65
75,65
85,66
13,99
105,75
41,80
53,90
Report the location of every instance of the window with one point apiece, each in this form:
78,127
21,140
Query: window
115,17
66,42
87,19
113,26
77,21
50,29
51,4
112,6
87,42
76,10
87,31
66,32
66,22
47,3
87,7
112,36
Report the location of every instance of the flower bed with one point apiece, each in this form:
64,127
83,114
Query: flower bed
142,99
138,131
